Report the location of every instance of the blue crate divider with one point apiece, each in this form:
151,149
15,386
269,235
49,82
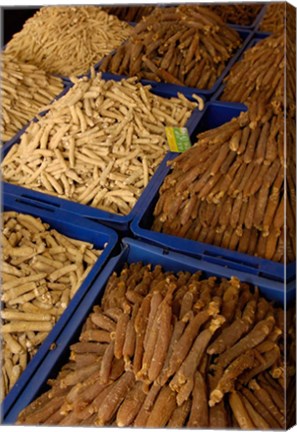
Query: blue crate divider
216,113
133,251
262,35
168,90
115,221
75,227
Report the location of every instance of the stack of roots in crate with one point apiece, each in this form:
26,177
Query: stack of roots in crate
188,45
25,89
274,18
68,40
259,74
237,13
129,13
42,270
228,188
97,145
172,350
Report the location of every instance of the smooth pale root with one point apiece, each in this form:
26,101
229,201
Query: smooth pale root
12,343
101,133
23,280
18,316
16,327
68,49
32,302
19,107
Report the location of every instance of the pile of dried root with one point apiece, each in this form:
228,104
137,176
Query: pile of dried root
237,13
172,350
188,45
41,271
68,40
274,18
24,91
98,145
129,13
228,189
260,73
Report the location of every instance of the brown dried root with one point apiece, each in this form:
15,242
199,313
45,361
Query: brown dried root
131,405
176,45
239,206
183,380
252,339
97,390
114,398
226,383
199,409
240,412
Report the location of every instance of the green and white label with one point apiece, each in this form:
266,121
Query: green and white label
178,139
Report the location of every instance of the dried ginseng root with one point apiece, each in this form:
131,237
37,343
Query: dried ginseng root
187,45
228,188
274,18
73,38
186,378
129,13
237,13
41,271
25,90
98,145
259,74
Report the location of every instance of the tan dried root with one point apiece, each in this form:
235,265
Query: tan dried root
25,90
240,14
68,49
42,270
262,68
98,145
186,45
129,13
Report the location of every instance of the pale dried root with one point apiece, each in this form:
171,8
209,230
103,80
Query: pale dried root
68,49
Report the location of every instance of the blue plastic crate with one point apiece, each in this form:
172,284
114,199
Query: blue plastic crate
115,221
168,90
133,251
75,227
216,113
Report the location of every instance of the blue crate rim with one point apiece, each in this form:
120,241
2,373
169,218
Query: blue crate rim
11,202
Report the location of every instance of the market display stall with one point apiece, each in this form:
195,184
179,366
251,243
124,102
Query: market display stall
149,219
